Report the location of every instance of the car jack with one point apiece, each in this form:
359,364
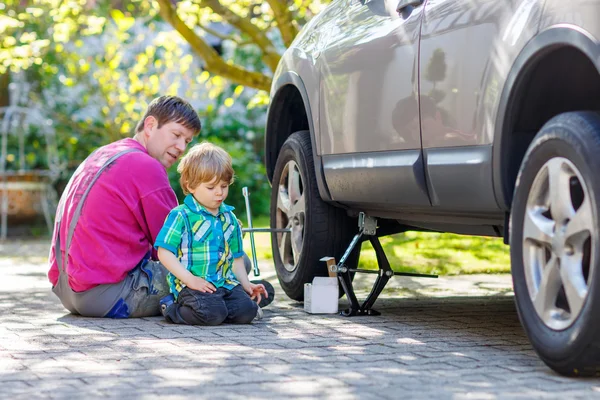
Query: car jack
367,226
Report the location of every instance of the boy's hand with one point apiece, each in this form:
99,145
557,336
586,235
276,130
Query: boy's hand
201,285
256,291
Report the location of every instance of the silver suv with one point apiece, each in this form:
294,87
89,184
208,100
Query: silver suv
478,117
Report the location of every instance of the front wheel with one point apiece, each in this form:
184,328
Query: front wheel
555,244
317,229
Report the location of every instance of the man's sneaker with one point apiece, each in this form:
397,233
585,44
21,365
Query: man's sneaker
165,303
259,314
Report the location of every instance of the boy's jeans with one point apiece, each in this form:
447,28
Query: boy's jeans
224,305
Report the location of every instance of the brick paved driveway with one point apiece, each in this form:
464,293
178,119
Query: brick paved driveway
453,338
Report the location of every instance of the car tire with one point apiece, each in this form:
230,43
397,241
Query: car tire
555,243
318,229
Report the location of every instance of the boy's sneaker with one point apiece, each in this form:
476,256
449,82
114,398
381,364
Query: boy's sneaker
259,314
165,303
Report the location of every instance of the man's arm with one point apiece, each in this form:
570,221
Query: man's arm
154,208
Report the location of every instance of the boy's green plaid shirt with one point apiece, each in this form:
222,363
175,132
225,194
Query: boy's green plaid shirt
204,243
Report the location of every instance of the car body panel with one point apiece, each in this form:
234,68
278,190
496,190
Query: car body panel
372,149
546,40
297,67
575,24
374,57
467,47
583,14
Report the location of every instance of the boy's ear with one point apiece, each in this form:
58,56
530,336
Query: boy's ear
189,188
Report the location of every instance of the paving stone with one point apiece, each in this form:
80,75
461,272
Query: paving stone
460,345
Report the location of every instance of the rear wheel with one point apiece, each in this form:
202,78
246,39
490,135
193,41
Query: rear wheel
317,228
555,244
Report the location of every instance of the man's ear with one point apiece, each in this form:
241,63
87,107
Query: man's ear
149,123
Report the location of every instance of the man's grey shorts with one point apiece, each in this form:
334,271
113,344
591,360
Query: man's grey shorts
137,295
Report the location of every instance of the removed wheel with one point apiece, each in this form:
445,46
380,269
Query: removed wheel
317,228
555,244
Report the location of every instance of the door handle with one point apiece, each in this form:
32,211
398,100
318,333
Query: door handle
403,4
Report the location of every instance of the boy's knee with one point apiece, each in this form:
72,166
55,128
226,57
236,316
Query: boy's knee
245,312
215,317
208,316
245,319
198,308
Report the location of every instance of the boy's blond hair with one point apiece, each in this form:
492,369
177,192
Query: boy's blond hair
203,163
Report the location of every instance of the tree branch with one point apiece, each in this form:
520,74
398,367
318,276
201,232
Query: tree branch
285,20
218,35
214,63
270,55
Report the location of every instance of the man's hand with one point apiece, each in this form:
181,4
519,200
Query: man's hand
256,291
201,285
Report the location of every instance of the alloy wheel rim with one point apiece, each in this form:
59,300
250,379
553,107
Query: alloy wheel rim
291,213
558,243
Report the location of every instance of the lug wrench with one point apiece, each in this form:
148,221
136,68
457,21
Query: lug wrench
251,230
249,216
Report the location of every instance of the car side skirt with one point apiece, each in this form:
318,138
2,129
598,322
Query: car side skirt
390,179
460,178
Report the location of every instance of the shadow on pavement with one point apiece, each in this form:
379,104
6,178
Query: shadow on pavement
434,347
428,343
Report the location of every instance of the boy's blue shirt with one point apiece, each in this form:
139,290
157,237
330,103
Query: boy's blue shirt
205,244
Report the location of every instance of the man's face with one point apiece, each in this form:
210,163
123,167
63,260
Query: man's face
211,194
167,143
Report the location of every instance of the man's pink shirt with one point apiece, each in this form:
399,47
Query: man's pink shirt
120,219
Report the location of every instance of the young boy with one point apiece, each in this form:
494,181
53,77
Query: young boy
200,244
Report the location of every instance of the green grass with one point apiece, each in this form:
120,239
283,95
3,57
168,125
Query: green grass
440,253
419,252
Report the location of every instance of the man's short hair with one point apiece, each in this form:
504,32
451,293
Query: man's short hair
172,109
203,163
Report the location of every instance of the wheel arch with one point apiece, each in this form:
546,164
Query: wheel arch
289,112
557,71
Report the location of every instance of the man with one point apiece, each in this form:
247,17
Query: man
110,213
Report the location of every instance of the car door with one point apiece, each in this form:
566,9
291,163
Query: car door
369,111
467,49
